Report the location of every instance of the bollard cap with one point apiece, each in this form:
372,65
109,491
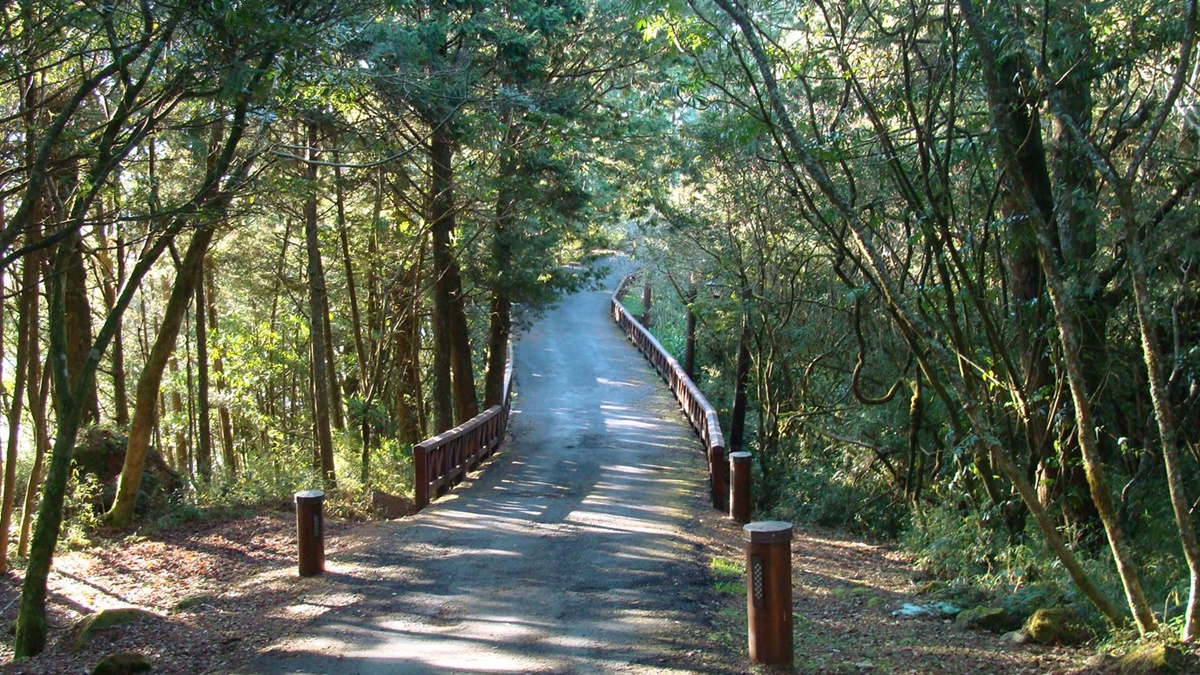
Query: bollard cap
309,496
740,456
767,532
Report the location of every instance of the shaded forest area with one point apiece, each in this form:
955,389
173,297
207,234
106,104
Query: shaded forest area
937,258
936,261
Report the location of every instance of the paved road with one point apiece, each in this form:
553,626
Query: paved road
566,556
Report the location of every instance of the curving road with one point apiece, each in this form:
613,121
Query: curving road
568,555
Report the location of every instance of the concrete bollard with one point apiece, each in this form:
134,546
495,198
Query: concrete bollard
769,591
310,532
739,487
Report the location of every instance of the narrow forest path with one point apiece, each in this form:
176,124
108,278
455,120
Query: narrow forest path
567,555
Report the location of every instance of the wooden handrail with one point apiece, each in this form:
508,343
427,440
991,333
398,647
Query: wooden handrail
441,462
700,413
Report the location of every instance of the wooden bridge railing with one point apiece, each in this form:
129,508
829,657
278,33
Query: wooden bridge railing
700,413
443,461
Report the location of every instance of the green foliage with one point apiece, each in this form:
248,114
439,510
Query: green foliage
822,486
81,510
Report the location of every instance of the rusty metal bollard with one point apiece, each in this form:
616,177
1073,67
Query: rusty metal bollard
310,532
739,487
769,591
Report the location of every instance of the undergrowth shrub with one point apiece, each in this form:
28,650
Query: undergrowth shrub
80,515
821,488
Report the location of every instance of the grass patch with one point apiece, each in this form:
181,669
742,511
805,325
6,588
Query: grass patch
729,576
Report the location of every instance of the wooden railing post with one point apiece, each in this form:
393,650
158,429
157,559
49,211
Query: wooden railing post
719,481
421,469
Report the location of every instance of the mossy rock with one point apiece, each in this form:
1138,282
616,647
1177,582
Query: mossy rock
86,627
193,601
994,619
1056,626
101,452
122,663
1152,656
1023,602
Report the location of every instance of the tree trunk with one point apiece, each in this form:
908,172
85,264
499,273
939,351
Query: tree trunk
228,452
1168,430
69,396
689,345
182,459
938,359
31,614
28,309
146,395
204,428
441,220
500,313
318,312
38,384
646,301
741,379
413,426
337,412
111,277
360,349
79,331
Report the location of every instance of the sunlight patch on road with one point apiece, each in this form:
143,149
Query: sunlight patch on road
617,523
616,383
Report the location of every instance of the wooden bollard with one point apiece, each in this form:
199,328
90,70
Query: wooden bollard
310,532
739,487
769,591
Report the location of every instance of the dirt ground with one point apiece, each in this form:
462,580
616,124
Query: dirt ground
224,590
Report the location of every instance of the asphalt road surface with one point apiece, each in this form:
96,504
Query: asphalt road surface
568,554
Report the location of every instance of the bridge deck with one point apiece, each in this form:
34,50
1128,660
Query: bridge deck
568,556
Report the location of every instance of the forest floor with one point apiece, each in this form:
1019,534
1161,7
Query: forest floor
223,590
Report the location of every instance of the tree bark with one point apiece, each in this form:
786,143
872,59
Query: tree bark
69,397
38,385
337,411
182,460
413,426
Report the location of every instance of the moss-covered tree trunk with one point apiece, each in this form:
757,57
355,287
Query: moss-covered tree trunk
146,393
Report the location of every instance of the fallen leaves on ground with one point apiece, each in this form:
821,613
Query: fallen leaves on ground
218,589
